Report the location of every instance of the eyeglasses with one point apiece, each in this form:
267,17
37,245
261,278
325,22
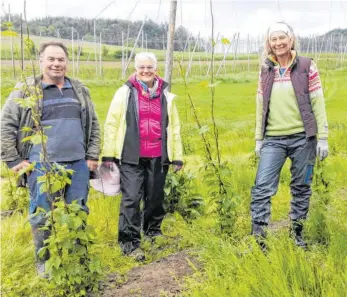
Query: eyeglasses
149,68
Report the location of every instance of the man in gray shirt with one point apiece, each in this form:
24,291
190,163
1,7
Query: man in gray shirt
73,139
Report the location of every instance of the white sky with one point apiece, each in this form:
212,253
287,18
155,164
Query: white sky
247,17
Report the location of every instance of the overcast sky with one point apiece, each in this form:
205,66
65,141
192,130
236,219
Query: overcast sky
247,17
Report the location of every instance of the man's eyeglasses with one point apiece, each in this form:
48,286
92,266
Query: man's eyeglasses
149,68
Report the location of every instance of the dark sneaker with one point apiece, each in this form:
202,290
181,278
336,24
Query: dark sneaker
152,235
138,255
299,242
259,232
296,231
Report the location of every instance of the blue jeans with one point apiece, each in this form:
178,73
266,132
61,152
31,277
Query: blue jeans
275,150
78,190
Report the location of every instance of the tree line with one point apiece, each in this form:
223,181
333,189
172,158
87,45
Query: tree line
111,30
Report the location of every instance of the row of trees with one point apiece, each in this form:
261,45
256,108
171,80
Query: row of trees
154,34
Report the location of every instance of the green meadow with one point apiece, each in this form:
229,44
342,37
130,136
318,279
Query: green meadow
230,264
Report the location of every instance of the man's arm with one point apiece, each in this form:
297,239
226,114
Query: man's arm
93,149
10,121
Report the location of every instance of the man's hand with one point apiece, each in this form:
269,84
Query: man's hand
322,149
258,146
21,166
177,168
108,164
92,164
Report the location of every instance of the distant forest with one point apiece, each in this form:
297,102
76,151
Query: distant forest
111,30
154,35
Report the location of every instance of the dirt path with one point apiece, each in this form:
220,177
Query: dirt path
161,278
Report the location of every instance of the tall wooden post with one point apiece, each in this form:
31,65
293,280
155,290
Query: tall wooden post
12,50
72,53
95,54
22,44
170,43
100,56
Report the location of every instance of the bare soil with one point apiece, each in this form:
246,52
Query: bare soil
161,278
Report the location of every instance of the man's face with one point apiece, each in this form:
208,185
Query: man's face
53,62
146,71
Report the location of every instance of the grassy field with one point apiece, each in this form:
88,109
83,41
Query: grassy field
230,265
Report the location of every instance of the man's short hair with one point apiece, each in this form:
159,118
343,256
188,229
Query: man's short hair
46,44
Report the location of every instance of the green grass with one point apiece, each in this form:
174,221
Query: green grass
231,266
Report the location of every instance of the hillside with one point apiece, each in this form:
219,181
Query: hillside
111,30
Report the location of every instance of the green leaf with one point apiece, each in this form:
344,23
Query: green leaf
82,235
26,129
225,41
167,191
74,207
9,33
225,171
174,181
41,252
77,222
56,186
7,24
54,261
67,180
83,215
70,171
27,169
43,188
25,103
37,139
25,139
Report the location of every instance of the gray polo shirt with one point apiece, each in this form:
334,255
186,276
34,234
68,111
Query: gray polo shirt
61,111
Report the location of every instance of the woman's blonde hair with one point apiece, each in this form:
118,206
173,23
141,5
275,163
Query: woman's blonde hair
267,48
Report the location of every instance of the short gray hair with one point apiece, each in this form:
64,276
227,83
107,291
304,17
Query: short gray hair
145,56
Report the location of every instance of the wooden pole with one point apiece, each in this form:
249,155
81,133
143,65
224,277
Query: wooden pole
133,49
185,47
341,48
226,52
127,46
80,42
142,40
22,43
100,57
95,55
123,57
191,57
235,52
170,43
248,52
72,53
12,53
